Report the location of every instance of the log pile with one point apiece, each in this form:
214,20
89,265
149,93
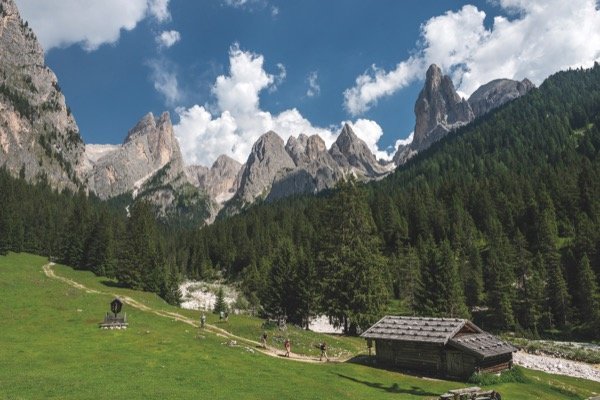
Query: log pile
472,393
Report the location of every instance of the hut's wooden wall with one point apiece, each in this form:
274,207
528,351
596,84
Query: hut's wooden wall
434,359
416,356
459,364
496,364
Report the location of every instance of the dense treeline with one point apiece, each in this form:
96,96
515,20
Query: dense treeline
500,221
85,233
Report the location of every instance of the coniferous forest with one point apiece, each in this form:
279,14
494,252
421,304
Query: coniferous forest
499,222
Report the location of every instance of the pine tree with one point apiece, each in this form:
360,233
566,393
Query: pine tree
220,304
587,290
441,292
500,279
408,277
307,289
350,265
169,289
140,255
558,295
532,295
281,296
474,277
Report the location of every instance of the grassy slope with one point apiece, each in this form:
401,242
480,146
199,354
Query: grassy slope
303,342
51,347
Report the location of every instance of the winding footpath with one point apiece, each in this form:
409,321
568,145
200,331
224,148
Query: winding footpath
238,340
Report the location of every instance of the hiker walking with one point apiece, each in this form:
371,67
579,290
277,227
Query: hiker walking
202,320
287,346
263,339
226,316
323,348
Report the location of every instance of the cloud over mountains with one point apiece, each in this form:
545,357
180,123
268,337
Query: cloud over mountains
540,38
236,120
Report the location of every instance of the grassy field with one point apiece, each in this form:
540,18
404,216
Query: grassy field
51,348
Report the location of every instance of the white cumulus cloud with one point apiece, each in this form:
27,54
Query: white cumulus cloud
542,37
237,120
90,23
168,38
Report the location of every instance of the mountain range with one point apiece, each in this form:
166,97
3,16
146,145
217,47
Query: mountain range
39,138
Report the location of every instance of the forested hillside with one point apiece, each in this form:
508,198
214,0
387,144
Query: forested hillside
501,219
86,233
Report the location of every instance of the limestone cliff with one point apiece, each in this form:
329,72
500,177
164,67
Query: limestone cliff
38,134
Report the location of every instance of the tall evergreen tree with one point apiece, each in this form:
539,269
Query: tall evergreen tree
558,295
220,304
473,280
350,265
588,295
441,292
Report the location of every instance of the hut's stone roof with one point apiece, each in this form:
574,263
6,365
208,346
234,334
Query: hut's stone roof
482,345
417,329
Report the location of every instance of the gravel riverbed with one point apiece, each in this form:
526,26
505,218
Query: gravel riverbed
558,366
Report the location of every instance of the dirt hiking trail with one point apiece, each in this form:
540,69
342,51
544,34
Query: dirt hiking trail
233,340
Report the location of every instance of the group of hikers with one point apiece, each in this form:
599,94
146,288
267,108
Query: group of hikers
288,346
222,316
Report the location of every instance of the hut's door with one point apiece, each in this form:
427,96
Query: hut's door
454,363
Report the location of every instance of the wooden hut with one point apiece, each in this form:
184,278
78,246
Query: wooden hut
449,347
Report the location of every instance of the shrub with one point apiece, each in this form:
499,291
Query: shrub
486,379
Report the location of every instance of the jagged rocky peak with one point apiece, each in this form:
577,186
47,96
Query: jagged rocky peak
148,147
296,148
220,181
158,134
497,92
315,145
224,163
143,127
267,160
37,131
438,109
353,155
268,144
305,149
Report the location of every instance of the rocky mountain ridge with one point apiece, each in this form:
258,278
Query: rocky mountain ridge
497,92
304,165
148,147
40,138
439,109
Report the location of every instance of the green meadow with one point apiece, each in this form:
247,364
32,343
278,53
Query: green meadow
51,348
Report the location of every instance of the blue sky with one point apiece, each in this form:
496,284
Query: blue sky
314,57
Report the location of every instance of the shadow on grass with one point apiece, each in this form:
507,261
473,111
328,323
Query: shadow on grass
394,388
113,284
371,361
